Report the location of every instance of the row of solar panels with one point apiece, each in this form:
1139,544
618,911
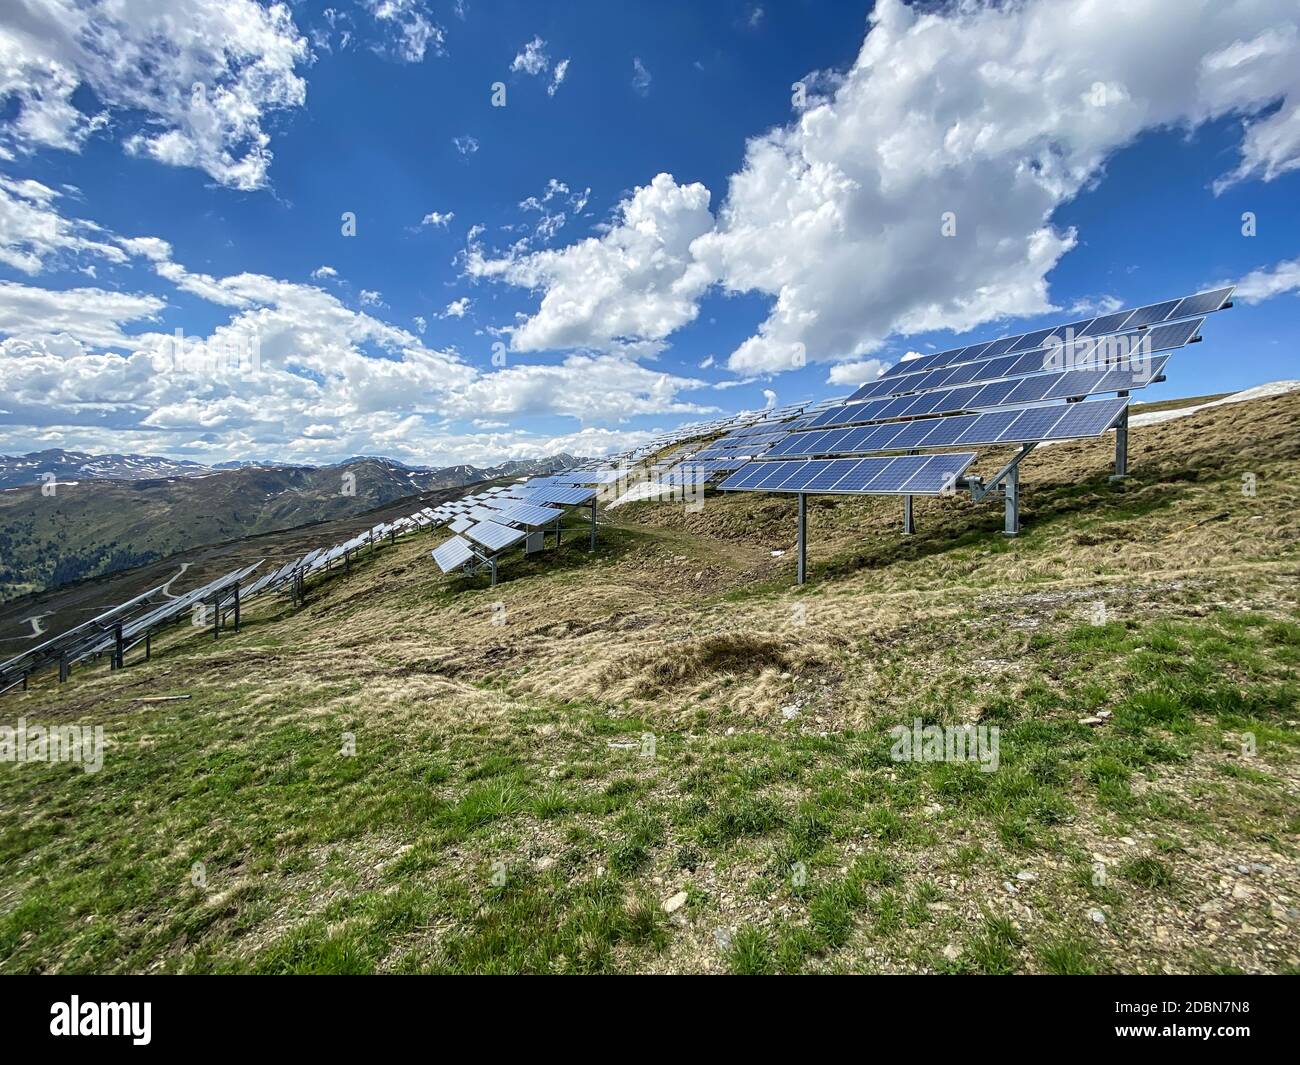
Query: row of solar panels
1073,421
949,407
1124,351
496,519
1200,303
902,475
740,446
1067,384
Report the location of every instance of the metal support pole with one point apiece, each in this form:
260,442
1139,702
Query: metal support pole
216,617
493,565
63,669
803,538
148,646
236,607
1011,489
593,524
1121,445
909,523
119,649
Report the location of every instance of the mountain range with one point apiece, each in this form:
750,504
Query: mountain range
98,514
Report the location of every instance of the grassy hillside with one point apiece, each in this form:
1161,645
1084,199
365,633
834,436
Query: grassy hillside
666,757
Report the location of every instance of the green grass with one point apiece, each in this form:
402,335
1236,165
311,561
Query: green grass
522,841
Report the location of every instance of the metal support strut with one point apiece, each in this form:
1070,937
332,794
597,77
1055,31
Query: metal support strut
909,522
1012,491
593,524
803,537
1121,444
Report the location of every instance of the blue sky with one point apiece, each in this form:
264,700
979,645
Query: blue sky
652,229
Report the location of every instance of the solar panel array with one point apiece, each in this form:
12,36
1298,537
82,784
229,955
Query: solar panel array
1022,389
493,520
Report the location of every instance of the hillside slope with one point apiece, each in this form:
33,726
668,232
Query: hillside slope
90,528
666,757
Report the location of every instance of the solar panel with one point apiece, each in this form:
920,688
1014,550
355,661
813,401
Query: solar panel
461,524
453,554
897,473
589,477
909,435
1109,323
1151,314
1203,302
827,473
1033,424
1172,335
857,479
937,475
1087,419
493,536
531,515
904,475
564,496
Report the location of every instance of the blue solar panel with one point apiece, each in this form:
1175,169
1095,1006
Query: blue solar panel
1075,383
864,472
1122,379
960,375
830,416
1087,419
987,427
794,473
744,476
852,440
930,380
1033,424
910,435
992,394
893,408
772,473
827,473
937,475
1000,347
1030,341
1202,302
1173,335
946,430
925,404
958,399
792,445
1151,314
898,473
1033,362
999,367
1108,323
1031,389
880,437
